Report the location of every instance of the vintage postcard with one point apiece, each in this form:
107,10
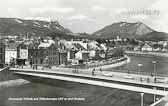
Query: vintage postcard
83,53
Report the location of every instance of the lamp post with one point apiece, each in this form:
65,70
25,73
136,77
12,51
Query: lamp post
154,67
154,96
139,65
142,94
60,57
31,61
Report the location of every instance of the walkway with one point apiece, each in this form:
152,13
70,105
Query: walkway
117,76
95,82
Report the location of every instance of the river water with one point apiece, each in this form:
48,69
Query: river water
93,95
161,65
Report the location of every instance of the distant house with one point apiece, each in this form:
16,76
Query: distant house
109,53
63,57
94,49
146,47
93,45
82,55
164,44
70,48
165,49
137,48
103,47
2,54
32,49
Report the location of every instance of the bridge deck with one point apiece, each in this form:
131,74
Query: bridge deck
116,76
95,82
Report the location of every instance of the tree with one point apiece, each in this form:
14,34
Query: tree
118,52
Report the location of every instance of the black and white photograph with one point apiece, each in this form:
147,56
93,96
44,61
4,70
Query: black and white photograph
83,53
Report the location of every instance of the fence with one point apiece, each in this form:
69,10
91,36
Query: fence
137,72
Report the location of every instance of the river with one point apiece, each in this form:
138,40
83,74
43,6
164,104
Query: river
93,95
161,65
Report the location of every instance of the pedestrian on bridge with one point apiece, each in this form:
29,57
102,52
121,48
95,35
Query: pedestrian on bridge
154,79
141,79
33,67
148,80
93,71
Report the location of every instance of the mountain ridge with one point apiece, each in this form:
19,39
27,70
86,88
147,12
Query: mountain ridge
17,26
137,30
35,27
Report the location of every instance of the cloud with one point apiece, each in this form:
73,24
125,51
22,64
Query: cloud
160,5
95,13
80,17
139,17
51,9
38,18
120,11
98,8
161,23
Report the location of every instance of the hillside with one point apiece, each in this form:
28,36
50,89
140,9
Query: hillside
15,26
136,30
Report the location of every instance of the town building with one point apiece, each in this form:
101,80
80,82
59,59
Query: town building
22,54
44,54
82,56
17,53
63,57
11,53
2,54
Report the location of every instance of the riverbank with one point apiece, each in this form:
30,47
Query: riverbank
11,83
128,60
147,53
110,63
122,61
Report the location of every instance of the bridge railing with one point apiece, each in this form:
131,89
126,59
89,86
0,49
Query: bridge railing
136,72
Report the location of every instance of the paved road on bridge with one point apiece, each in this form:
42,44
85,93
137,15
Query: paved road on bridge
116,76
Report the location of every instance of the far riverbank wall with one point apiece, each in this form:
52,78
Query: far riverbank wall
147,54
128,60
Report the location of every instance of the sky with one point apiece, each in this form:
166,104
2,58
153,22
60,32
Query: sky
90,15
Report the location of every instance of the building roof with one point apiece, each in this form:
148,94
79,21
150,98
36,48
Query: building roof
70,46
33,45
45,45
12,46
93,45
78,46
146,45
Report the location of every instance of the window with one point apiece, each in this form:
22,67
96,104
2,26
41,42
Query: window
41,61
1,57
1,49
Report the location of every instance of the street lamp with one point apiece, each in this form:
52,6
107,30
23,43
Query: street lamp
142,94
139,65
154,67
154,96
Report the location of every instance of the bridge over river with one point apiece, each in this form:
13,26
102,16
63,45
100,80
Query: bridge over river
139,83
